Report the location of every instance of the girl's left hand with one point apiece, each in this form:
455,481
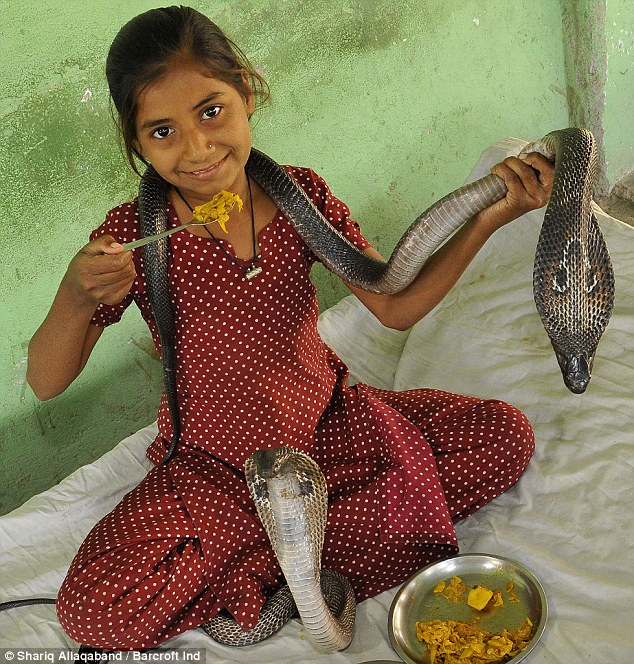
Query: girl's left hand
529,181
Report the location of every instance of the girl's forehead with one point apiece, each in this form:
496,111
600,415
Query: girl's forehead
187,79
181,88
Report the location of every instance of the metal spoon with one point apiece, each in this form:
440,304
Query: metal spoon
152,238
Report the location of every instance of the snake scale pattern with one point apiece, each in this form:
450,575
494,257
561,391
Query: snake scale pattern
573,286
573,279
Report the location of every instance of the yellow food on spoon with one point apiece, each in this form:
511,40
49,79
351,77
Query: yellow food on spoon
217,209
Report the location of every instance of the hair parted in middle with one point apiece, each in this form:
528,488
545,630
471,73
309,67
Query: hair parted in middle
144,48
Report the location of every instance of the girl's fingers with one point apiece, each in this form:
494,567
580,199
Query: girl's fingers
544,167
101,271
111,288
104,244
526,184
104,255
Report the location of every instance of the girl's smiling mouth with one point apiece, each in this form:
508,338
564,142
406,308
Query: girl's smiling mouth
208,172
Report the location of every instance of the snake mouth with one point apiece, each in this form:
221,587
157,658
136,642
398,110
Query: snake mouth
576,371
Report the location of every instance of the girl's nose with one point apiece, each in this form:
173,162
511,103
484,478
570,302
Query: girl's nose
198,146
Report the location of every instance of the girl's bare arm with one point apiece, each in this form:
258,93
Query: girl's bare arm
100,272
529,183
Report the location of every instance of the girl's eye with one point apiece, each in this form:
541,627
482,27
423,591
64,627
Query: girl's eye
211,112
162,132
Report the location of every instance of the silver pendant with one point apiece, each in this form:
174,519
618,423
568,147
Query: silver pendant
252,272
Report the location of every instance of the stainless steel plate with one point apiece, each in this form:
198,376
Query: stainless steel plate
416,602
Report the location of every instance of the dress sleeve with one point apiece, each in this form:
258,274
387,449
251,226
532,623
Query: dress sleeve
122,224
334,210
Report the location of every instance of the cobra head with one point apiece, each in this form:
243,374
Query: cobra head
576,370
268,465
573,279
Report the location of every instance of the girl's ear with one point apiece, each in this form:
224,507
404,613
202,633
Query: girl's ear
249,100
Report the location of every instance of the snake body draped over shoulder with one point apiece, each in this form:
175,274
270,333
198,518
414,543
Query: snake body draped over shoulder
573,285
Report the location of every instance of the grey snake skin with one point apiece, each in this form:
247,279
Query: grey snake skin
573,287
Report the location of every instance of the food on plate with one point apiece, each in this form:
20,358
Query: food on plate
217,209
455,642
510,589
451,591
464,642
479,597
497,600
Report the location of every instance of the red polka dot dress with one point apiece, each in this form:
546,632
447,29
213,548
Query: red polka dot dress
253,372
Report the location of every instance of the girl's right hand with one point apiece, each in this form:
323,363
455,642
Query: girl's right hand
101,272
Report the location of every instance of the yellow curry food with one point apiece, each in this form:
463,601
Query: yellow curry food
451,591
455,642
217,209
510,589
478,597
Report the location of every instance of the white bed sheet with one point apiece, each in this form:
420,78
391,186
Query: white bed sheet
569,519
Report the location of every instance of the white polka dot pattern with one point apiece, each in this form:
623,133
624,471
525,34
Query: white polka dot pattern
252,373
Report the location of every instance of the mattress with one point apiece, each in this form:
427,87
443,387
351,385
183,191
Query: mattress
569,519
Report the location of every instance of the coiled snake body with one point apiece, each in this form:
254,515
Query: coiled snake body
573,285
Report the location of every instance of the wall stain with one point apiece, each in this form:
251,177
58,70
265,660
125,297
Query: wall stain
147,346
143,369
43,418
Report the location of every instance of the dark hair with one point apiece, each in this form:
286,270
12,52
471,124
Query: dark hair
144,47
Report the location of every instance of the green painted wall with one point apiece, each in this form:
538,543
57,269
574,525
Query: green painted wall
619,91
392,102
599,59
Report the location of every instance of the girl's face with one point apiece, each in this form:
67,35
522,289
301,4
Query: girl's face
195,131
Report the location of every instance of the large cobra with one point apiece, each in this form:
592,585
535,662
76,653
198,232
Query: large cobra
573,286
573,280
291,497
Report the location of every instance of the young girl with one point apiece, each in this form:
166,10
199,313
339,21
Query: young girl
252,371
